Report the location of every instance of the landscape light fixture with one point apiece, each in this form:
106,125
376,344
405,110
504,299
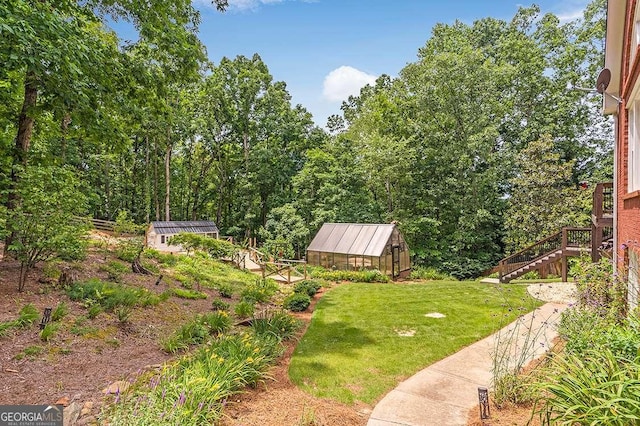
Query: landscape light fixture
483,397
604,78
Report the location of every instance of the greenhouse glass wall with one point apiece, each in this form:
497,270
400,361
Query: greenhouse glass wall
351,246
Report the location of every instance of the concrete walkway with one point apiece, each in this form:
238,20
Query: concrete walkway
443,393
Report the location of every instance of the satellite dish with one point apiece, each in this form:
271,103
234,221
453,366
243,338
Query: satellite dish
604,78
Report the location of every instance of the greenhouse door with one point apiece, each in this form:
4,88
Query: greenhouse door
395,261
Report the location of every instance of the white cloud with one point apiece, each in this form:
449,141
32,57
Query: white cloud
345,81
569,10
247,5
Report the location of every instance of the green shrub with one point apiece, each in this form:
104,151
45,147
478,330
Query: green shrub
60,311
184,293
109,295
216,322
308,287
598,289
260,291
276,323
197,331
126,225
585,331
166,259
220,305
297,302
27,316
94,311
244,309
49,331
592,389
115,270
226,290
215,248
6,326
127,250
429,273
123,312
367,276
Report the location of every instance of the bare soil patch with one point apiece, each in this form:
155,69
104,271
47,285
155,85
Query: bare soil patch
78,366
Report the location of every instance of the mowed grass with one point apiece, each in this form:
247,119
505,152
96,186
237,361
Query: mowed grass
353,349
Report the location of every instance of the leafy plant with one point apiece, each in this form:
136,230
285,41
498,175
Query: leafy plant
598,289
49,331
308,287
595,388
188,294
260,291
197,331
193,390
366,276
276,323
27,316
109,295
128,249
226,290
60,311
244,309
123,312
115,270
94,311
429,273
220,305
43,225
297,302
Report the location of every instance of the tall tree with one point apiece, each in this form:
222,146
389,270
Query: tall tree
543,196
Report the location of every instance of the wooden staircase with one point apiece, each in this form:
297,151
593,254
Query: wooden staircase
556,247
568,242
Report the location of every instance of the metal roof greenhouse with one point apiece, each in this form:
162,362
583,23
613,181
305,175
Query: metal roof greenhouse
354,246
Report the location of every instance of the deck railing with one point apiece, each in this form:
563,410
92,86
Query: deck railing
567,238
603,200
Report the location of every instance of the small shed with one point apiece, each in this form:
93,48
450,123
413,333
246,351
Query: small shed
158,233
354,246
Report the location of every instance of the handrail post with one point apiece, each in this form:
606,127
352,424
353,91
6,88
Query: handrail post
564,254
500,268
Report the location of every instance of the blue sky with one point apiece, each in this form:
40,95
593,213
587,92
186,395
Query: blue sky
327,49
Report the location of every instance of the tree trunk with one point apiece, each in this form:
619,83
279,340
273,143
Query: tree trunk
64,129
147,196
155,180
167,181
26,121
23,277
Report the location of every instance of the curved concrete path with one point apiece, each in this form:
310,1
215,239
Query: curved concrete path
443,393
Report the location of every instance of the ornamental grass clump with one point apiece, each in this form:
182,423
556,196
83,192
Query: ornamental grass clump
197,331
596,388
276,323
193,390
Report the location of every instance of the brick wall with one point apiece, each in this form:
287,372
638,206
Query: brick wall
628,222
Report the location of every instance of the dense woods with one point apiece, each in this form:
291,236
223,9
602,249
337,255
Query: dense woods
448,148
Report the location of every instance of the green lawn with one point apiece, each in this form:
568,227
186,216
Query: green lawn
353,350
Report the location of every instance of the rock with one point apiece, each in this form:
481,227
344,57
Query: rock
86,409
64,401
120,386
85,421
71,414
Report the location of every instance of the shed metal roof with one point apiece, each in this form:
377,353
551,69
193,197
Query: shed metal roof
352,238
176,227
